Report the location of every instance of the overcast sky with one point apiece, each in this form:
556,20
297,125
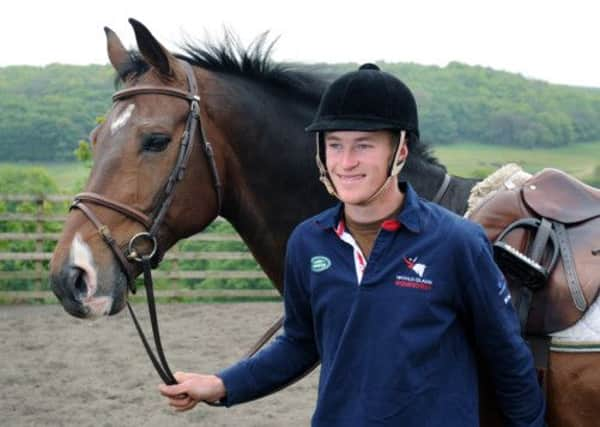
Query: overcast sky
556,41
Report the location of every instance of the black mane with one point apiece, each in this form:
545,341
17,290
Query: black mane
254,62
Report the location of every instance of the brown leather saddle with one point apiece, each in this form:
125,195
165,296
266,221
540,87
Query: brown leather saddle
546,237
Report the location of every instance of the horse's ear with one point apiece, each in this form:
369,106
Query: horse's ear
117,54
152,51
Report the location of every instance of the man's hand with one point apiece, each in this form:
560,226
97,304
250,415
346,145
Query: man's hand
192,388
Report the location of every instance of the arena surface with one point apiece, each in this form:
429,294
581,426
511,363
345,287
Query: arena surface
61,371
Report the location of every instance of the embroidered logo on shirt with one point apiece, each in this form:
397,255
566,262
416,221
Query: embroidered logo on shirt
412,264
319,263
419,283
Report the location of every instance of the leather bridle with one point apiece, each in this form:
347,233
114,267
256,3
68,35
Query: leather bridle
132,254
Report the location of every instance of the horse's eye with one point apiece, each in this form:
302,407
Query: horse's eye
155,142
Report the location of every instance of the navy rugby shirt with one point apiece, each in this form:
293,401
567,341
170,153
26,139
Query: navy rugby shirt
398,350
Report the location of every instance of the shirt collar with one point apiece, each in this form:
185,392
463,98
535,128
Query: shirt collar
408,216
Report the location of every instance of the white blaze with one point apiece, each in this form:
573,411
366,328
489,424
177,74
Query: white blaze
120,121
81,257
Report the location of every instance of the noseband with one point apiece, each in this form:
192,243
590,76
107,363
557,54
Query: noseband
131,253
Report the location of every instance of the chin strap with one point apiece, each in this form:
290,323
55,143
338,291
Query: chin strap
323,174
394,169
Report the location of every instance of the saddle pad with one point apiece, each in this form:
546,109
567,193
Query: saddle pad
508,177
583,336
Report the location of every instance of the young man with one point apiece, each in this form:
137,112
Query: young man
393,294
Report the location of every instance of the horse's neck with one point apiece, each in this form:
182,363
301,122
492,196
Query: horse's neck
270,189
427,178
265,239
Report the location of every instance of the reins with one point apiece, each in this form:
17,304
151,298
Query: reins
152,224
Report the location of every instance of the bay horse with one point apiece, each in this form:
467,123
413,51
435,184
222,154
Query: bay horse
264,181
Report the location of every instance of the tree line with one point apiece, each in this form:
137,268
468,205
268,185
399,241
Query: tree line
45,111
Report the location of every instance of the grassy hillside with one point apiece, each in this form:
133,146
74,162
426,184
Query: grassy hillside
45,111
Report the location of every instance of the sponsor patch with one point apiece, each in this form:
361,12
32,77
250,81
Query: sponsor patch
319,263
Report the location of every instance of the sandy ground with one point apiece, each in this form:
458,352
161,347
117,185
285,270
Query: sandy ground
56,370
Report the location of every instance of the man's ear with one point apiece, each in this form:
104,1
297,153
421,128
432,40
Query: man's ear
404,149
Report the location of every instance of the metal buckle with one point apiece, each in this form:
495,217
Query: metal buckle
195,107
132,252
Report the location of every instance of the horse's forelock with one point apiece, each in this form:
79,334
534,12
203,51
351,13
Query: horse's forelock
136,67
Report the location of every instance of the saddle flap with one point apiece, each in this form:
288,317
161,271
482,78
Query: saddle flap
557,196
552,307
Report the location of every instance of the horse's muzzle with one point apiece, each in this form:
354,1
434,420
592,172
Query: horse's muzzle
81,298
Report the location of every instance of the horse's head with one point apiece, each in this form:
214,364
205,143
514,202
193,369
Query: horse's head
139,154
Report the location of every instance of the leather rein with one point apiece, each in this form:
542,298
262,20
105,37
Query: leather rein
131,253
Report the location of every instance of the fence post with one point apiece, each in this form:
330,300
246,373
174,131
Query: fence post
39,244
174,266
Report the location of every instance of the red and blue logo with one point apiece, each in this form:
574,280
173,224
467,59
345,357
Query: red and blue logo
420,283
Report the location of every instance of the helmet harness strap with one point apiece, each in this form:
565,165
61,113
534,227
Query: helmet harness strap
323,174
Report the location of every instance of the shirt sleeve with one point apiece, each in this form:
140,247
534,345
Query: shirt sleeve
497,336
290,355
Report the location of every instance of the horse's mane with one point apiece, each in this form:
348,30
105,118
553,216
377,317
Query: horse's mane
230,57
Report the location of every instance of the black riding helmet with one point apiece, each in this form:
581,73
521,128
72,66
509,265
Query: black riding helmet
365,100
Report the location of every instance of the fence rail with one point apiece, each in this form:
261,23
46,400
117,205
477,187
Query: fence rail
216,260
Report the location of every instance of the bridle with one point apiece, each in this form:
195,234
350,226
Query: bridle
132,254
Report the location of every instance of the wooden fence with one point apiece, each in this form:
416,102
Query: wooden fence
212,264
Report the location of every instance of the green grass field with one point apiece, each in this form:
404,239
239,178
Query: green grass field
69,176
468,159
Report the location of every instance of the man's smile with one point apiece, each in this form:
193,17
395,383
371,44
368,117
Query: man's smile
350,178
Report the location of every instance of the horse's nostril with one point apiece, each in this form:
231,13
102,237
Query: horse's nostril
77,281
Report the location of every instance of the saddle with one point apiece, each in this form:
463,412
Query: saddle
546,236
